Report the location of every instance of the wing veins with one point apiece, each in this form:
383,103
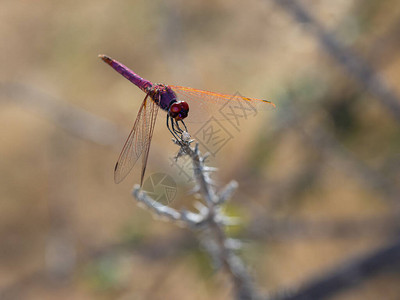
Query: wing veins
135,143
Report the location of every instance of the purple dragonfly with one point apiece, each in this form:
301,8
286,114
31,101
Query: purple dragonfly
174,100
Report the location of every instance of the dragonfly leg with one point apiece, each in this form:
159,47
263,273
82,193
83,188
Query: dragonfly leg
169,128
173,131
184,125
180,130
177,131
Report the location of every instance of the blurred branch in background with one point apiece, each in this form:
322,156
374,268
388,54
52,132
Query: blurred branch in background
349,275
74,120
295,117
365,74
209,220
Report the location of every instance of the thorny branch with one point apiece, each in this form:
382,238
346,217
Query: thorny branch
209,221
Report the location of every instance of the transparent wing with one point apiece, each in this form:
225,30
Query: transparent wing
149,124
138,140
204,104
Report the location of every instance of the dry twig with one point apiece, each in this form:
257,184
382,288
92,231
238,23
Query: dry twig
209,220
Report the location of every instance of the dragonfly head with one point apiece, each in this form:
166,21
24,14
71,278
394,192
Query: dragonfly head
179,110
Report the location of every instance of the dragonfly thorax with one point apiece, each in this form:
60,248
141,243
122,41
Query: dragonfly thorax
163,95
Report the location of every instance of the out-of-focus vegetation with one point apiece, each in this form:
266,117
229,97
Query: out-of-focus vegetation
318,177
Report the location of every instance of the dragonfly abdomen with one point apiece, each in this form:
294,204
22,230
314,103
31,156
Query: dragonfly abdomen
143,84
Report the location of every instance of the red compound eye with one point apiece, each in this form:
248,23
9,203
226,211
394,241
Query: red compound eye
179,110
175,108
185,106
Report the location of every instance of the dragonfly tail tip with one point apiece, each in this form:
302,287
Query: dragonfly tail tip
105,58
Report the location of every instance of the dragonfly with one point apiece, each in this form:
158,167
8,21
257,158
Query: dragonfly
175,101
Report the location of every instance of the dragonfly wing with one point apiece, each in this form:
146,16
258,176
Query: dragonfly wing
148,129
207,104
137,140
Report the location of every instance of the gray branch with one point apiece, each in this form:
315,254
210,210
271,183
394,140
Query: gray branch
209,220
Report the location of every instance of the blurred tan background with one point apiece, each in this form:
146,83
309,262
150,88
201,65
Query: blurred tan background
318,177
